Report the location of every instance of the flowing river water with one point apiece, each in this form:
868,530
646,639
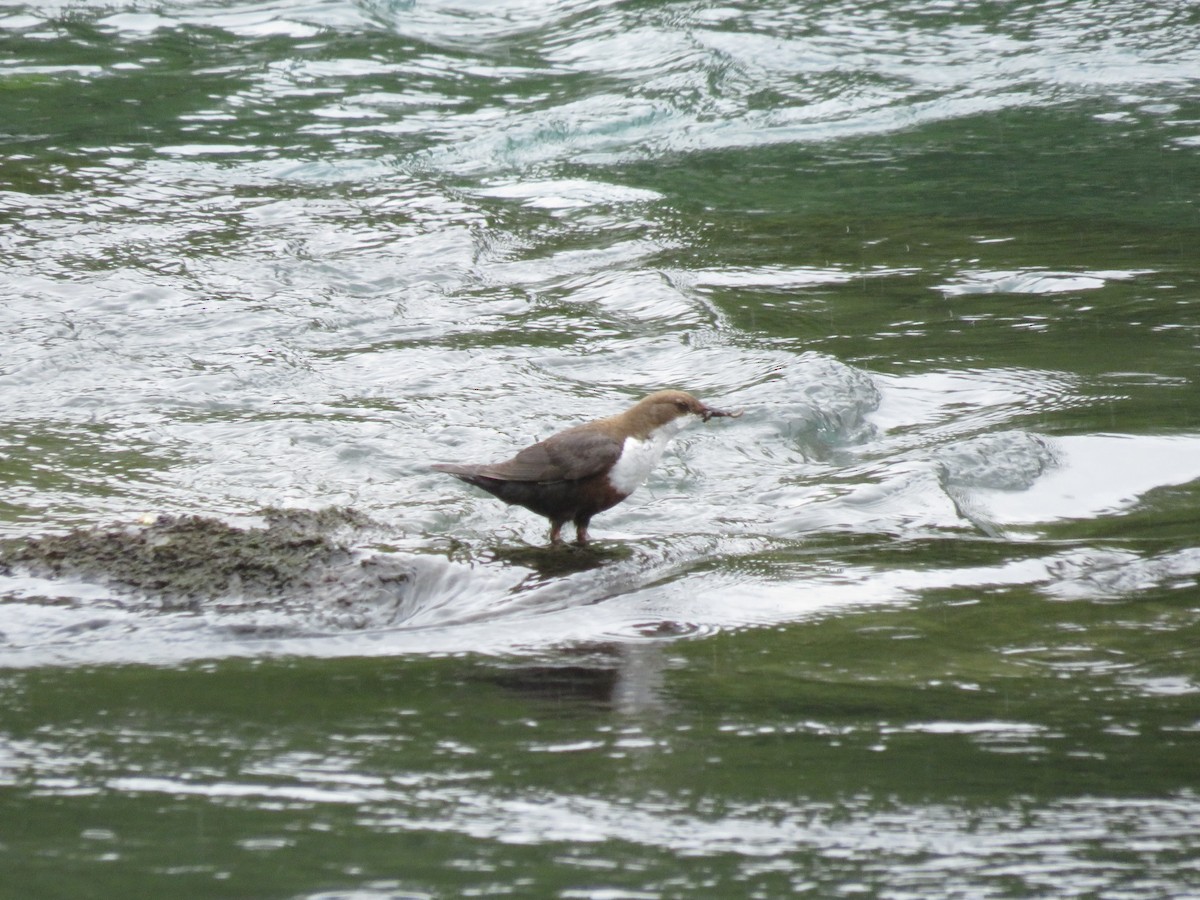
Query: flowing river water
924,622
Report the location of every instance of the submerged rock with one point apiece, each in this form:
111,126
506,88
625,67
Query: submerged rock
1004,460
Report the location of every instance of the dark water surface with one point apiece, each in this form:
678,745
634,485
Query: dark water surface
925,622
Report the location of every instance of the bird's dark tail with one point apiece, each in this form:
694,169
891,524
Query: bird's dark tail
470,474
454,469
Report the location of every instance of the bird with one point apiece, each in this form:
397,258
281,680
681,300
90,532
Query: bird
575,474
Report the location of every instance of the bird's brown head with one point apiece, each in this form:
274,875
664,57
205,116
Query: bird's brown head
663,407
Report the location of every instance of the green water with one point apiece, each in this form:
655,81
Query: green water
923,623
945,744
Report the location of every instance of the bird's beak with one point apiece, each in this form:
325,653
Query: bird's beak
709,413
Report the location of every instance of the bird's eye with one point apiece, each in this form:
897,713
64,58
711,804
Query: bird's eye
683,407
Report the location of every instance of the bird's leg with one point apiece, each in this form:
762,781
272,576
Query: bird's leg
555,532
581,527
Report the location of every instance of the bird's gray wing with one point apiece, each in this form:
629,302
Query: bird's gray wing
569,456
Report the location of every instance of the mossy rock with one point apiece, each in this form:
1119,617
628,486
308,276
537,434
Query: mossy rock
183,560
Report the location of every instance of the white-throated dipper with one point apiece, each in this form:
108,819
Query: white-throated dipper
572,475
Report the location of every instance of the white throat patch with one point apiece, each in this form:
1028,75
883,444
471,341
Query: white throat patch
639,457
